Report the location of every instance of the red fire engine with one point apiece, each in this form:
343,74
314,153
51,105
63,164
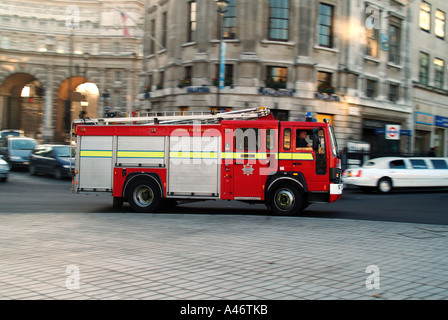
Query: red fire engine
242,155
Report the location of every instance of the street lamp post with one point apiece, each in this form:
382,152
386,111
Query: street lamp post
221,6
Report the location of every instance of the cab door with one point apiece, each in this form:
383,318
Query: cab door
311,163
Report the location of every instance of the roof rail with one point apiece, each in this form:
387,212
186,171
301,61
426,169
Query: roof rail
243,114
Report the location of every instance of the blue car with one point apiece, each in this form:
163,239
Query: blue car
53,159
16,150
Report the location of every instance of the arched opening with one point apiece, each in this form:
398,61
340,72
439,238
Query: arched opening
77,97
22,104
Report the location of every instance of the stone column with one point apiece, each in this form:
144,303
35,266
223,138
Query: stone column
48,130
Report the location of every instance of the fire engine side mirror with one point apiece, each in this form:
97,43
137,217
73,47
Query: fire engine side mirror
315,139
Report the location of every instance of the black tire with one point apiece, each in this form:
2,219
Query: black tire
286,200
143,195
384,185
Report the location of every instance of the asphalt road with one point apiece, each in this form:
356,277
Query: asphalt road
24,193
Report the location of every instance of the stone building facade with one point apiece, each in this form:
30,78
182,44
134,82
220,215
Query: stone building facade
339,59
52,47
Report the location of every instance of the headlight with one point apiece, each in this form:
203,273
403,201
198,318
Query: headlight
66,166
15,158
4,167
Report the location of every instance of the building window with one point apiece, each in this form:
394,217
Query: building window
152,43
324,82
438,73
424,67
228,75
278,20
440,24
276,77
371,88
394,43
393,92
164,30
229,21
425,16
191,29
325,31
161,80
188,75
372,43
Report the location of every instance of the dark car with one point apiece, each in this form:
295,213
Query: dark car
53,159
17,150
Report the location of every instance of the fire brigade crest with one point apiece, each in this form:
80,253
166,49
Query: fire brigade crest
247,169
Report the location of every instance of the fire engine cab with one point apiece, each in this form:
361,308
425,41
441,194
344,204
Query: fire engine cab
242,155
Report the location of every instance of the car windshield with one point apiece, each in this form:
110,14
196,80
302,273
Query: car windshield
63,151
23,144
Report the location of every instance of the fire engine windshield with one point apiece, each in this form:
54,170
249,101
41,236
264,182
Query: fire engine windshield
334,144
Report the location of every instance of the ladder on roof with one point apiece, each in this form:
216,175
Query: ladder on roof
243,114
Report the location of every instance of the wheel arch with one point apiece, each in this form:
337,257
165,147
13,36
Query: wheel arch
295,180
149,175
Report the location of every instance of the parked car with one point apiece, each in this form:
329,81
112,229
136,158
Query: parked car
386,173
17,150
11,132
4,169
53,159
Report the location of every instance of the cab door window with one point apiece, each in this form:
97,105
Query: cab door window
287,139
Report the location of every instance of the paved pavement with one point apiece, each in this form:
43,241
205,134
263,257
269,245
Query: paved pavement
200,257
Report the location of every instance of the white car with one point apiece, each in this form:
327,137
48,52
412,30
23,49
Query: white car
4,169
386,173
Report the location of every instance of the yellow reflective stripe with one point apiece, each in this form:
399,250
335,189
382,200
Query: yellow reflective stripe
96,153
194,155
140,154
296,156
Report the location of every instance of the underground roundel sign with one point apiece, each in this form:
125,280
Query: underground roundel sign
393,132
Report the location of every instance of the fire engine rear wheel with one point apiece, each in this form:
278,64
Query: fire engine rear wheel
286,200
143,195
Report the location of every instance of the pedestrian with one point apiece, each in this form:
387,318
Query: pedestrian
432,152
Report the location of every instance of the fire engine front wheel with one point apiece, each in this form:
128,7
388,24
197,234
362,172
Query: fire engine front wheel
143,195
286,200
